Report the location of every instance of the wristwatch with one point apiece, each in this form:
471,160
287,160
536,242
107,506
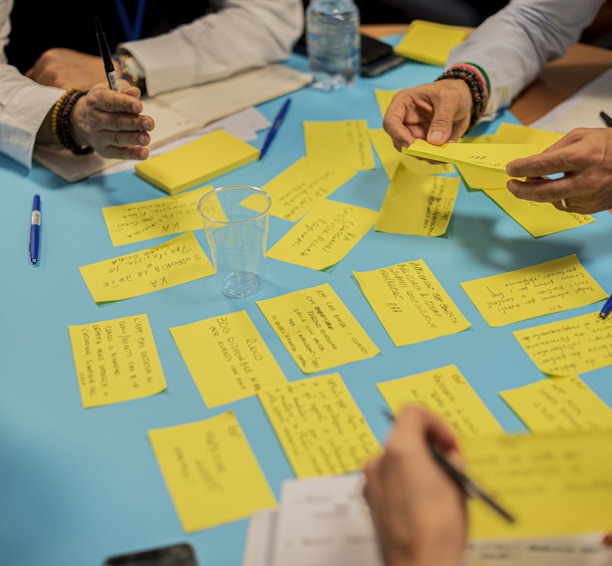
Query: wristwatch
131,71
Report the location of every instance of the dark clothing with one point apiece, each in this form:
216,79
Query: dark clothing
71,24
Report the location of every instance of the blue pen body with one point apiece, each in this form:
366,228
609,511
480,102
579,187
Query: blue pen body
607,308
275,126
35,230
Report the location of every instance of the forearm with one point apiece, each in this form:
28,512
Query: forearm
24,110
513,45
244,34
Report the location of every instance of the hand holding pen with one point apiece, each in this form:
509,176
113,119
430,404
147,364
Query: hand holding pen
418,513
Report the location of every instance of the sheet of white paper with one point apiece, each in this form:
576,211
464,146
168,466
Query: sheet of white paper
260,537
324,521
582,109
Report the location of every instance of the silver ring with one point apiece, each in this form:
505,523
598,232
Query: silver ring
563,203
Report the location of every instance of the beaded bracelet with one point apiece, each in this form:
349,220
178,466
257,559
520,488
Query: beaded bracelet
60,123
477,86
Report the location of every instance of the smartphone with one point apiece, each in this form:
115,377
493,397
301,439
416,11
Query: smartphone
377,56
173,555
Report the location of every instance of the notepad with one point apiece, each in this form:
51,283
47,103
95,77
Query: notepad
430,42
197,162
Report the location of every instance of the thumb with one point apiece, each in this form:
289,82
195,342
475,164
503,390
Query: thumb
440,128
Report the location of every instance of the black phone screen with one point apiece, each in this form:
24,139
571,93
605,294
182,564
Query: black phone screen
173,555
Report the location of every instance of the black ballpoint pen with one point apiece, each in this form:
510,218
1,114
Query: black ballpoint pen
606,118
109,68
463,481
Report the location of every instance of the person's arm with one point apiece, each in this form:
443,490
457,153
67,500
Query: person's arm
513,45
418,512
243,34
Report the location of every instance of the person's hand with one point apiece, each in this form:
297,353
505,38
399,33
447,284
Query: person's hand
66,68
111,122
418,512
584,156
438,112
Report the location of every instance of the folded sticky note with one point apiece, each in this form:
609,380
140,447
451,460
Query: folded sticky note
197,162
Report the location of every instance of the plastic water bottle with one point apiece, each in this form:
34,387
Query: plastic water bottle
333,43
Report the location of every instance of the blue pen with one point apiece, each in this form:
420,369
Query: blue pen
277,124
605,310
35,230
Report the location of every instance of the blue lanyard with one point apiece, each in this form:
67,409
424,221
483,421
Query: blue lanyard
132,32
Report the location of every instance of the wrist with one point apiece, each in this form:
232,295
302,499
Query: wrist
478,85
62,122
131,70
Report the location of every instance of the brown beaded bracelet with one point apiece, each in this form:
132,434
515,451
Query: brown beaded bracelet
477,91
60,123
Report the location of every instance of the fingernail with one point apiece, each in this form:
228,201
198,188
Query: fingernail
141,139
435,136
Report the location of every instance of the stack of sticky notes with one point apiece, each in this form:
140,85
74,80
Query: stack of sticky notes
430,42
197,162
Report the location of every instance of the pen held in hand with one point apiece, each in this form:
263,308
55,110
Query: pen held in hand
275,126
109,67
463,481
606,118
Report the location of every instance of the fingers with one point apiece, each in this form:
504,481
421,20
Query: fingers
112,124
438,112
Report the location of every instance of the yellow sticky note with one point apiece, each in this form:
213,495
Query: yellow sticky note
175,262
298,188
343,143
383,99
196,162
538,140
320,427
325,235
553,484
445,392
237,363
390,158
417,204
517,133
553,286
569,347
211,472
538,218
317,329
410,302
559,404
492,157
116,360
430,42
140,221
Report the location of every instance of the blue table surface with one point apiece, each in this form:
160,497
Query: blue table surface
79,485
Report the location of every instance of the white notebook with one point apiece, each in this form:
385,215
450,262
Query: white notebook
184,111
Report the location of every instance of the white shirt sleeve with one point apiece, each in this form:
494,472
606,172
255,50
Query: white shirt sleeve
23,103
513,45
244,34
